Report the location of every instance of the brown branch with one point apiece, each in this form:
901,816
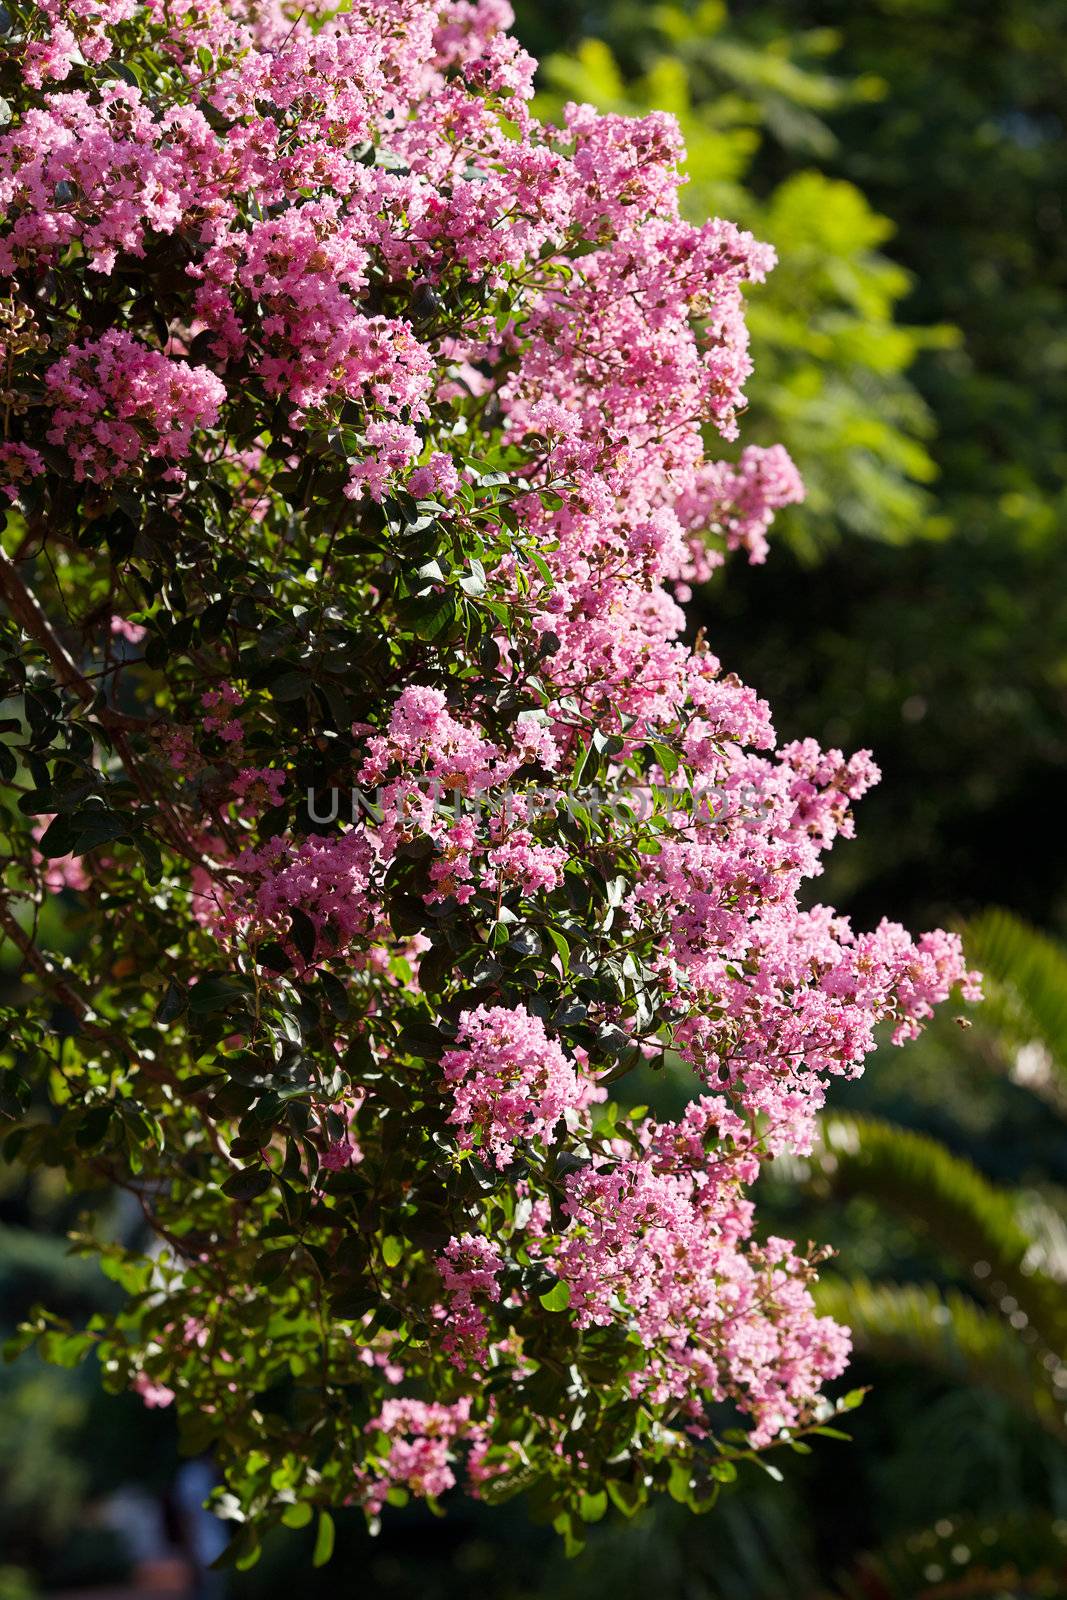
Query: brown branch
65,991
27,612
35,958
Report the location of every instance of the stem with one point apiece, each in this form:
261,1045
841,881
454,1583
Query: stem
81,1004
59,985
26,610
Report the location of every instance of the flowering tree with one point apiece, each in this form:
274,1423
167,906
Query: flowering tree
354,439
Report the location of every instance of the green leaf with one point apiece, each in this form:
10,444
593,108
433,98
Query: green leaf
150,855
93,1127
272,955
628,1497
434,616
573,1542
303,932
174,1002
323,1540
392,1250
271,1265
298,1515
85,830
474,583
248,1183
350,1304
591,1507
215,992
336,995
66,1349
563,949
542,566
558,1298
666,759
290,686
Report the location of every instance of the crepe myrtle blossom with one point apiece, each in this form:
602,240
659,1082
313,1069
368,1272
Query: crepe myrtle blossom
509,1081
18,464
156,1396
420,1441
114,403
469,1268
388,410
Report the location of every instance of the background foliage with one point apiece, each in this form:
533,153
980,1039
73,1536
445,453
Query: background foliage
907,159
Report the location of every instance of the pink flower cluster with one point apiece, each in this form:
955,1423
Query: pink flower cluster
100,173
661,1242
469,1267
156,1396
18,464
283,286
217,704
122,628
73,30
114,401
510,1082
738,503
419,1447
329,879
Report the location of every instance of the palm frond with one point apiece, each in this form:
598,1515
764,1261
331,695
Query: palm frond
947,1199
948,1333
1025,980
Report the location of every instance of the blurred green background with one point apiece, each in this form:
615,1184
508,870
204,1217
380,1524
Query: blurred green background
907,158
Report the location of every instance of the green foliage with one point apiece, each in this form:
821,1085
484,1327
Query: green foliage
950,659
1013,1558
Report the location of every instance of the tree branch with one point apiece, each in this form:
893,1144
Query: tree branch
27,612
63,990
81,1004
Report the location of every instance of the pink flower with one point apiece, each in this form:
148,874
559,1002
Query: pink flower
18,464
115,403
510,1082
132,632
420,1437
155,1395
59,872
469,1268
